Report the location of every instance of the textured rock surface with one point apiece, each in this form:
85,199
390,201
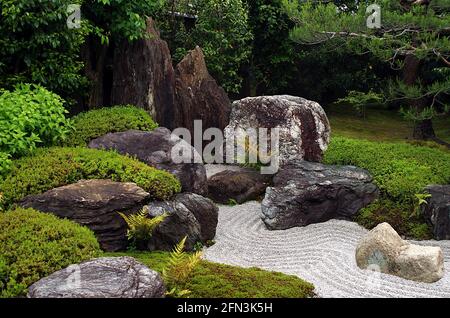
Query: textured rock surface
190,215
323,254
241,186
304,193
303,124
437,211
144,76
110,277
382,249
94,203
198,95
155,149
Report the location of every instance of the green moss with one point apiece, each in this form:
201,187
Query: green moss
54,167
98,122
33,245
401,171
212,280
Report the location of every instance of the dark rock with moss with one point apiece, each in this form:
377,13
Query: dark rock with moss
304,129
437,211
109,277
155,149
189,215
239,186
304,193
94,203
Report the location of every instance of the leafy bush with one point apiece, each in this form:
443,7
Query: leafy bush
212,280
401,171
48,168
140,226
98,122
30,116
33,245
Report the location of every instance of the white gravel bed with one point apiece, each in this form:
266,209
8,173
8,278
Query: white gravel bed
323,254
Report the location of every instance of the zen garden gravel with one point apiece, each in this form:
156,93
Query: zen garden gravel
323,254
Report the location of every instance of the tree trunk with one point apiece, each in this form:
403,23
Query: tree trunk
94,56
423,129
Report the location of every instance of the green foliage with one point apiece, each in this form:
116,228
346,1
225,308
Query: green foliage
53,167
140,226
398,215
119,19
221,30
407,30
38,47
179,269
400,171
360,100
5,164
98,122
33,245
30,116
212,280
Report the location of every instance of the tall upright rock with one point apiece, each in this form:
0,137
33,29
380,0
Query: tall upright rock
199,97
145,77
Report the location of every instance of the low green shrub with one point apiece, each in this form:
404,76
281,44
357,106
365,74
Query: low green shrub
212,280
30,116
33,245
5,164
49,168
401,171
98,122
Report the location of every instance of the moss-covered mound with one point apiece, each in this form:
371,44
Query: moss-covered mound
33,245
49,168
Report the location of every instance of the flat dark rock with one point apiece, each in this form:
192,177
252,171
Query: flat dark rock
304,193
155,149
109,277
94,203
241,186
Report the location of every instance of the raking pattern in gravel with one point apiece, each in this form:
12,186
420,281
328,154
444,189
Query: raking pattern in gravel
323,254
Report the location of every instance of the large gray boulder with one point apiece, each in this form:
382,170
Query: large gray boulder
94,203
155,149
304,193
189,215
303,124
109,277
437,211
383,250
241,186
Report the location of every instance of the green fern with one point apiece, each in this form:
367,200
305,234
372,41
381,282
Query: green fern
140,227
179,269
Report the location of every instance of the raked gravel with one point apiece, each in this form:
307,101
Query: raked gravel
323,254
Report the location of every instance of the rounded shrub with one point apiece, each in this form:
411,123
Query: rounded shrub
401,171
98,122
30,116
33,245
49,168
